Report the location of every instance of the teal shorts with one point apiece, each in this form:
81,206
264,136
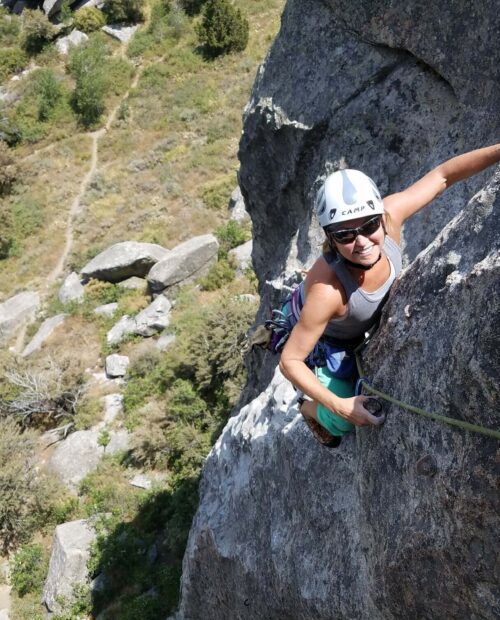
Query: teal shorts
344,388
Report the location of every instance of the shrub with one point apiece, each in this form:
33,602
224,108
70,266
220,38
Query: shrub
223,28
87,66
192,7
220,274
9,27
12,59
6,232
8,171
43,397
66,14
123,10
89,19
23,491
37,31
230,236
29,569
48,92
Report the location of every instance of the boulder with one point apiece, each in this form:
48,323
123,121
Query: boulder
186,261
141,482
123,260
151,320
106,309
72,289
50,7
120,330
122,33
242,257
68,562
116,366
165,341
16,312
113,407
133,283
74,39
46,330
80,453
237,207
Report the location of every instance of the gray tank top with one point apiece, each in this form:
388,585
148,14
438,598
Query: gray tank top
362,307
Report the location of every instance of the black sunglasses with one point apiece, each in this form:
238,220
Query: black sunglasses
347,235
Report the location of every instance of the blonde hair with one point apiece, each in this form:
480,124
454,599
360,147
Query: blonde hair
326,248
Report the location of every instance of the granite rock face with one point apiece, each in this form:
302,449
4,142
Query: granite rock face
16,312
400,521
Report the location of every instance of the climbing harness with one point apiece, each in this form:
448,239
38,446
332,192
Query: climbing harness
475,428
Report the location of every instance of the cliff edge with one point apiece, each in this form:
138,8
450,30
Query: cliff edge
401,521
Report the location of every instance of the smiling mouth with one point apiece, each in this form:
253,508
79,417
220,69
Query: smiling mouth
364,251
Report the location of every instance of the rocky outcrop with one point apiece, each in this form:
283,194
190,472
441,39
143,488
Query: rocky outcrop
153,319
186,261
74,39
124,260
236,206
116,365
82,451
72,289
47,328
242,257
16,312
120,32
288,529
68,563
400,521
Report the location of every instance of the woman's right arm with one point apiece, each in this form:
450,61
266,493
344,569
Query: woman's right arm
322,302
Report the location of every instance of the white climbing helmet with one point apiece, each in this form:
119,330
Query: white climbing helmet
347,195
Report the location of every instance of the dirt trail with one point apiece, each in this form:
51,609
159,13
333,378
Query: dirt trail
76,206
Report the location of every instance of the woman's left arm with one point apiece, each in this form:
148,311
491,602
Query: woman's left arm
403,205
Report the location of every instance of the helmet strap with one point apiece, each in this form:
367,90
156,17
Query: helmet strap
357,265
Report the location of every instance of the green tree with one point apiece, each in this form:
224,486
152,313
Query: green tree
48,92
192,7
66,14
123,10
223,28
37,31
87,66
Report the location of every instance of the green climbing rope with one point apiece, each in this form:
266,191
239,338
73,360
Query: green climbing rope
475,428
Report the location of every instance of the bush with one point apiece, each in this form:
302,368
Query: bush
230,236
123,11
223,28
29,569
23,491
192,7
47,91
7,239
9,27
87,66
43,397
12,59
89,19
37,31
8,171
220,274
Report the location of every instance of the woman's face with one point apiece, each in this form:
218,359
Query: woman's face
365,248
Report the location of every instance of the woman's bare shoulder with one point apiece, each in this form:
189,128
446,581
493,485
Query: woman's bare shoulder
322,287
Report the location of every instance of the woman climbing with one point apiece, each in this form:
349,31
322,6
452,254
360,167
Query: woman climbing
342,295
